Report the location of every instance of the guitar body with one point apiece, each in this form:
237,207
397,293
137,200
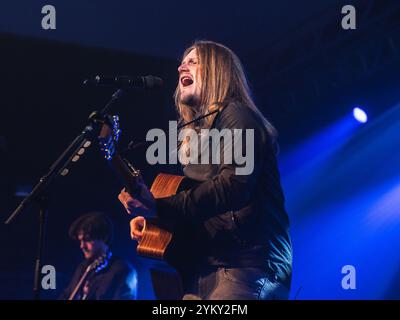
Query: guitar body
155,240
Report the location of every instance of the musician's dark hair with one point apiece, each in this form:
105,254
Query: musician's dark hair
94,225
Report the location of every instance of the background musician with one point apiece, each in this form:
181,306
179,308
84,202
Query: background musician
111,278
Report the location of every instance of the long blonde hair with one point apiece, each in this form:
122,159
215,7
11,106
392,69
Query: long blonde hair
223,80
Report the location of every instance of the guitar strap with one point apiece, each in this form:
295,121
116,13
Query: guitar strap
131,146
203,116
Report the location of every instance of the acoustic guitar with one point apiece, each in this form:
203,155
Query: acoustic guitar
156,240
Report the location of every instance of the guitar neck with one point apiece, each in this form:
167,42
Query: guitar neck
79,285
125,172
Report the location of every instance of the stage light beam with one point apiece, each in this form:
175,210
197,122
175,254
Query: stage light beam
360,115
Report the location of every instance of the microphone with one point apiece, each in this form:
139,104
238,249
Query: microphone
126,82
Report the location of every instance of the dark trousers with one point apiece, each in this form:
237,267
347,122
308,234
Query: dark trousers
234,284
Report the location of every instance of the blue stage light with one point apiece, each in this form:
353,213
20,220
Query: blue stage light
360,115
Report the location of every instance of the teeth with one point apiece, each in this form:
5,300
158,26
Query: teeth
186,81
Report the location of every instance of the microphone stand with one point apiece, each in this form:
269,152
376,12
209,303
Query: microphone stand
59,168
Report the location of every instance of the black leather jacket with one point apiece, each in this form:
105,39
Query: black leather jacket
239,220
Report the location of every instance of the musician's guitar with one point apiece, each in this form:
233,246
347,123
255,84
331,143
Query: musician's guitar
156,240
97,265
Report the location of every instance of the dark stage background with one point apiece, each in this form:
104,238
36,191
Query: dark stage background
341,178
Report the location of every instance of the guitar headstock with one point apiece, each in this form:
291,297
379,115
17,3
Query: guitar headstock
100,263
109,136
